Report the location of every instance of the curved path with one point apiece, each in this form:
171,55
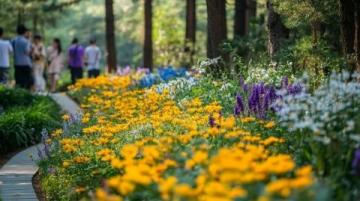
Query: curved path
16,175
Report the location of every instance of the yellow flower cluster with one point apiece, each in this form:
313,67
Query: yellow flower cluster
151,140
70,145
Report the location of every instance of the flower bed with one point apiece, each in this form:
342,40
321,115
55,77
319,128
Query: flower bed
136,144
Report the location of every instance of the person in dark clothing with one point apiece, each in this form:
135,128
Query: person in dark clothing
76,63
22,60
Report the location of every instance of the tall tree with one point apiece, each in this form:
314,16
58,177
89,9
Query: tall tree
217,29
148,49
357,34
347,24
241,20
110,36
190,33
251,8
350,32
277,30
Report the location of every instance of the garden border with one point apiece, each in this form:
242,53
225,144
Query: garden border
16,175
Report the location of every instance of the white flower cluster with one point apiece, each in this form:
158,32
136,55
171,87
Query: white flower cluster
176,86
330,112
270,76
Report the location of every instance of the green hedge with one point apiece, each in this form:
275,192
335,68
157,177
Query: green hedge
23,116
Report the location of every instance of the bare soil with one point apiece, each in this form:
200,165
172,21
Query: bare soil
40,194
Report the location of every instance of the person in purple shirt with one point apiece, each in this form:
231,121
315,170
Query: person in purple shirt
75,58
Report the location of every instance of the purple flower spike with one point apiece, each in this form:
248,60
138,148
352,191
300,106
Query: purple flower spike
356,162
239,103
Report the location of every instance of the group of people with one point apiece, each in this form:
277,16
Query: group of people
32,59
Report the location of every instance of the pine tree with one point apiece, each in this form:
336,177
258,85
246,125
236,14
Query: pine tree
148,49
277,30
110,36
190,33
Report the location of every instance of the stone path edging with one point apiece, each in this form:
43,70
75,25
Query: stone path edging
16,175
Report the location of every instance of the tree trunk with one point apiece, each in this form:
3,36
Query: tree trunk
241,21
190,34
148,49
251,8
357,34
277,31
347,26
315,32
110,36
217,30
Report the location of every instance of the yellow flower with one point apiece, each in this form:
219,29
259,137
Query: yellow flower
166,185
280,186
66,117
301,182
65,164
247,119
80,189
57,133
129,151
101,195
304,171
184,190
270,124
228,123
125,187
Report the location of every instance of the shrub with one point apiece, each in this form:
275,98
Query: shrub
24,117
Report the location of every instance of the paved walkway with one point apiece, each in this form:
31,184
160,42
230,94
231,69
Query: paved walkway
16,175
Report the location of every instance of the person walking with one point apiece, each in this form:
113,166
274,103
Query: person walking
56,63
5,50
38,55
76,56
92,57
22,60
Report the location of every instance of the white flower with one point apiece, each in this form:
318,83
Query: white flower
329,111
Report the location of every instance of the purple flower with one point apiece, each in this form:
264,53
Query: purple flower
254,99
51,170
356,162
284,82
239,106
211,121
294,89
44,138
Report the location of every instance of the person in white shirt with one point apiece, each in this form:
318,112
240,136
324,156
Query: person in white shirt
5,50
38,54
55,63
92,59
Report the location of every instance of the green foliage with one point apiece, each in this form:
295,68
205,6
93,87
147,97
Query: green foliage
317,61
23,118
303,13
169,31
